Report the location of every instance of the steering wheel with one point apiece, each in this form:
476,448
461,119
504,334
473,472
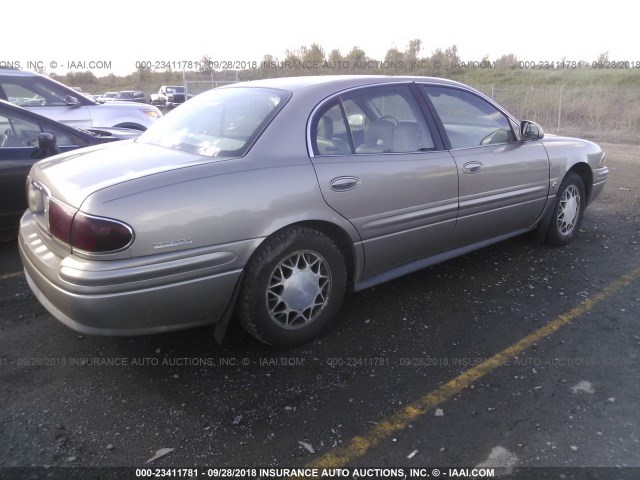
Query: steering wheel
390,118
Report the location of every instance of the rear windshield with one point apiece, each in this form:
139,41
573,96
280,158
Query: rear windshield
219,123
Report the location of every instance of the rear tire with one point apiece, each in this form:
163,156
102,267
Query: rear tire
293,287
568,211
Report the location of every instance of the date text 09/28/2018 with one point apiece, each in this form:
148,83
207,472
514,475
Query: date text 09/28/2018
310,472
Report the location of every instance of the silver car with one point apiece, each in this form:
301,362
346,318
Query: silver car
266,201
52,99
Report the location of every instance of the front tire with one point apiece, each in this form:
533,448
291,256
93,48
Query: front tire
568,211
293,287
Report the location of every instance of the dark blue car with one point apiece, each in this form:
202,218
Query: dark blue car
25,138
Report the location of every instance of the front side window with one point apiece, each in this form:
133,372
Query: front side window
380,120
34,93
469,120
222,122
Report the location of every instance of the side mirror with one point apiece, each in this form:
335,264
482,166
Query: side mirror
71,101
47,146
530,130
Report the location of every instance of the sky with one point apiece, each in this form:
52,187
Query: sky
115,35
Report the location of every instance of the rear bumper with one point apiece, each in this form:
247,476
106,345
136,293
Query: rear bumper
129,297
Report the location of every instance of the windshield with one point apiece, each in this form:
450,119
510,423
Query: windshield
175,89
221,122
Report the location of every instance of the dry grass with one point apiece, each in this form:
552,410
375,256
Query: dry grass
623,153
592,112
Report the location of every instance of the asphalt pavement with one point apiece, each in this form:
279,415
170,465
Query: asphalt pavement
517,355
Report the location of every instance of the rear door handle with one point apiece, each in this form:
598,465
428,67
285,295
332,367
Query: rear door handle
472,167
344,184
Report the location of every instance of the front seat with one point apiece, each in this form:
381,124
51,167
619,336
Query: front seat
405,138
378,137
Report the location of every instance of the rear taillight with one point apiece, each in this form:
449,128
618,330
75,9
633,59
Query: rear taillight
60,218
86,232
99,235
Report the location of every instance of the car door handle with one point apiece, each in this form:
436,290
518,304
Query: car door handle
472,167
344,184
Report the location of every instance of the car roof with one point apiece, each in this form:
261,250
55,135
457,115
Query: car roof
17,73
338,81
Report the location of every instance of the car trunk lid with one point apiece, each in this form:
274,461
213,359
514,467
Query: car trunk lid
73,176
63,182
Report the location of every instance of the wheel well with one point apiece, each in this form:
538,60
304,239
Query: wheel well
133,126
335,233
340,238
586,174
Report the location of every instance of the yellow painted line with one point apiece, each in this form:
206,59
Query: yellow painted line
7,276
358,446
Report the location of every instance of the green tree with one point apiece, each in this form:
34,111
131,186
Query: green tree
509,61
143,74
356,58
314,53
452,60
437,62
413,50
394,55
206,64
335,56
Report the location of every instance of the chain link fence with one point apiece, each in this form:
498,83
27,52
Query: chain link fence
198,83
589,112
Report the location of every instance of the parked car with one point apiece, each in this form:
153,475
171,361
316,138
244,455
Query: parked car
25,138
170,96
130,96
54,100
106,97
271,199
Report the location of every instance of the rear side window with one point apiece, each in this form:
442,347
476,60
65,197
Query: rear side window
371,120
469,121
331,134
